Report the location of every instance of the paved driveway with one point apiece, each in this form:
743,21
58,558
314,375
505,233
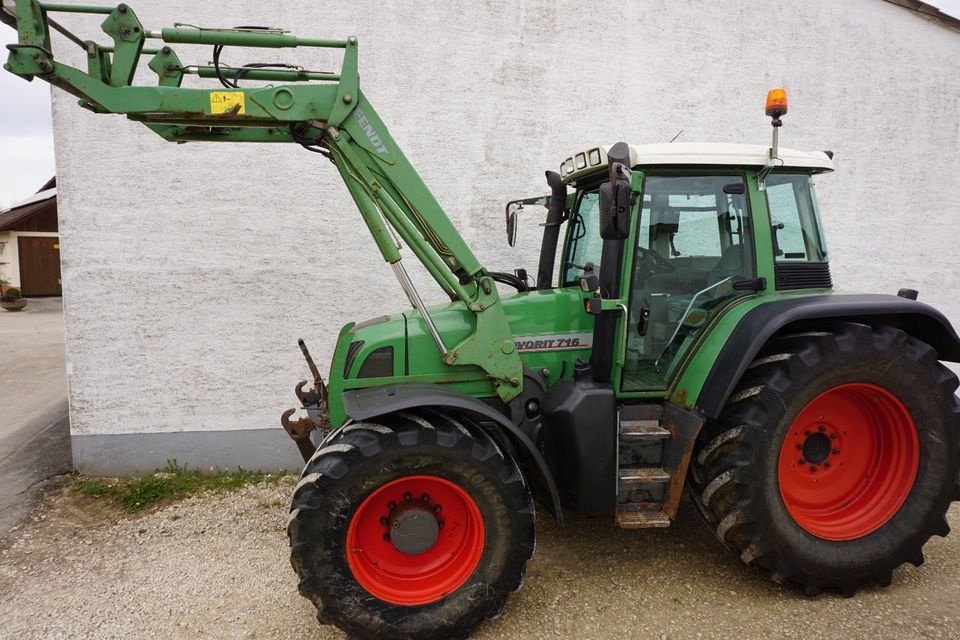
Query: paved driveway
34,433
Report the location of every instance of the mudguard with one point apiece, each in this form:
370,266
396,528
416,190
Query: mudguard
363,404
759,324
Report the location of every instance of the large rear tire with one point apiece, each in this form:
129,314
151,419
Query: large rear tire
413,526
836,457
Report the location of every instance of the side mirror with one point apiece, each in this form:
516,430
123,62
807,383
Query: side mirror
512,220
615,196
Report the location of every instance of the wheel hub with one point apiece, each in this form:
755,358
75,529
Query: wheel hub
412,527
816,448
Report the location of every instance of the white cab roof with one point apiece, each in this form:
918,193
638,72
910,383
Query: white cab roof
696,153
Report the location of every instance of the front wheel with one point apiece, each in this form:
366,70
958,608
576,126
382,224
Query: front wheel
836,458
415,526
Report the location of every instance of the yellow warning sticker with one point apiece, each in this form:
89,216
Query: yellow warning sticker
56,246
227,102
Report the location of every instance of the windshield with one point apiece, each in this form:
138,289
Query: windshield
583,237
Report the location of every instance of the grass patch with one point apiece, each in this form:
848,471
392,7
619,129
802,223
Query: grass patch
172,483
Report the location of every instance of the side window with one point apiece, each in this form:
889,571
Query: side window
583,238
797,235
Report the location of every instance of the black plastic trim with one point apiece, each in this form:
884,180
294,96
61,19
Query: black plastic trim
605,326
379,364
362,404
551,231
802,275
760,324
352,351
580,444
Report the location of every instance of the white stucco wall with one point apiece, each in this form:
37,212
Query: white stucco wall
189,271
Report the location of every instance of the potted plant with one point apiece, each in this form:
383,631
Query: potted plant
12,300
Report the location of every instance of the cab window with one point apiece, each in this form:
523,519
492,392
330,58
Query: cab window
584,244
797,233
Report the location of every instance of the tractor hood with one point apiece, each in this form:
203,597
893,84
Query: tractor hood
549,328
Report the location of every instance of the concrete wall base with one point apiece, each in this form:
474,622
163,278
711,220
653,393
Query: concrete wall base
269,450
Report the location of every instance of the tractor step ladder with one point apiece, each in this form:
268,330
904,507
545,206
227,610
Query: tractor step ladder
641,480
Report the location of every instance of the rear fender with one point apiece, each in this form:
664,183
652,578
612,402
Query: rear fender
761,323
363,404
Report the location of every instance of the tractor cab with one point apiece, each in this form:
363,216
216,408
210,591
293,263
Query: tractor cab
702,235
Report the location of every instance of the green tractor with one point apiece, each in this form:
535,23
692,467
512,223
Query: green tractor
681,332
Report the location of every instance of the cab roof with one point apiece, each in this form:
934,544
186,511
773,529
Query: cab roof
676,154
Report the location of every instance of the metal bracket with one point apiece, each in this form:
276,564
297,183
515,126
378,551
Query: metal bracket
299,432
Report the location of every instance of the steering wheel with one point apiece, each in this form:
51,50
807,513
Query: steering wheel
653,262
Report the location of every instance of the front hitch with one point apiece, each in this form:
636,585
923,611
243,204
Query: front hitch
315,402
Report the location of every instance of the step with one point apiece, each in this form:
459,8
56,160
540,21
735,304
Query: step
643,475
642,430
641,412
642,519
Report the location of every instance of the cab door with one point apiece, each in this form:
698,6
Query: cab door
692,256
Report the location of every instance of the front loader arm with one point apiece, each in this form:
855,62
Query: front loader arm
322,111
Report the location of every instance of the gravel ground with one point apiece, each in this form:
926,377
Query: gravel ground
216,566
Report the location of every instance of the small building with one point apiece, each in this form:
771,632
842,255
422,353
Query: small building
30,244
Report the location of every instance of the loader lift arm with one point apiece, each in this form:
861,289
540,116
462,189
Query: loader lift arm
322,111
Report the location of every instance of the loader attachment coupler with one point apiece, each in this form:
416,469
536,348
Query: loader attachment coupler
321,111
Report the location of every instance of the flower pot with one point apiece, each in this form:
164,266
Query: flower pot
16,305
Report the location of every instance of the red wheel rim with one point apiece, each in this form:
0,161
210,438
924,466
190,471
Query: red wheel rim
848,462
404,578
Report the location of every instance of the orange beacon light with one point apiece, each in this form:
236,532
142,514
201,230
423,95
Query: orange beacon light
776,103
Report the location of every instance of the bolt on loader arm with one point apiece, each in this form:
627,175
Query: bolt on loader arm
321,111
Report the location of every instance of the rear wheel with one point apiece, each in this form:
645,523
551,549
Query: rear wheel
835,459
415,526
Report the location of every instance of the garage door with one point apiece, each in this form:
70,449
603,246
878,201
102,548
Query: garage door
39,265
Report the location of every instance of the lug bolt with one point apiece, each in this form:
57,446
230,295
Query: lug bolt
813,468
835,451
407,497
802,461
807,432
391,505
384,521
425,497
386,537
440,524
822,428
437,508
833,436
799,446
826,464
